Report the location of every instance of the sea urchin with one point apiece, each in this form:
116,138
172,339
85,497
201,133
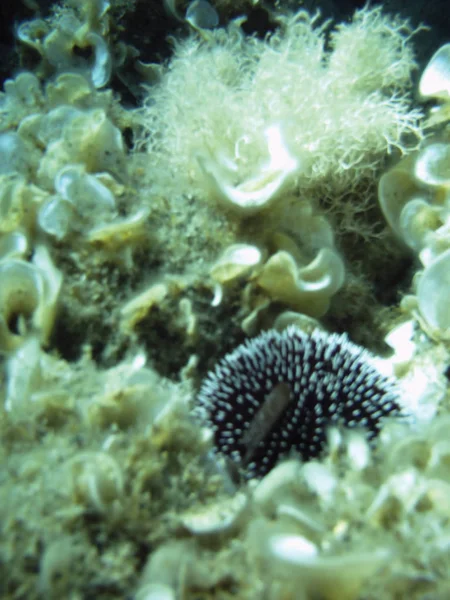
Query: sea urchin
279,392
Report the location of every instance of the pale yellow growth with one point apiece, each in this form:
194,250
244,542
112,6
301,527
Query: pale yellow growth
221,517
96,482
87,137
338,113
236,262
122,232
415,199
85,28
307,288
262,187
19,203
28,294
433,292
137,309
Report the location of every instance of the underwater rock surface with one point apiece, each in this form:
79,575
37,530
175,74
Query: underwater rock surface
184,178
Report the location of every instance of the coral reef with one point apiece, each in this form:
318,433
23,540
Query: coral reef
286,137
169,188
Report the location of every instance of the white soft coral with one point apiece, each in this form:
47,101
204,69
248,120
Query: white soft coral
340,111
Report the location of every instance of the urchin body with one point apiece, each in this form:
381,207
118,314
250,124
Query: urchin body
279,392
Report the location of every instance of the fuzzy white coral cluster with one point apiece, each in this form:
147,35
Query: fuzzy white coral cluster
337,111
269,127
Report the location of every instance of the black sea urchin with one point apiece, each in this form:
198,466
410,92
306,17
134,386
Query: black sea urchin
279,391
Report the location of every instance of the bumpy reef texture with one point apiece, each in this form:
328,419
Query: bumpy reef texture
170,188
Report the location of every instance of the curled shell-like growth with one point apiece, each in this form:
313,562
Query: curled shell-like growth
28,299
258,192
97,482
433,293
396,189
307,288
302,571
81,201
435,80
86,138
137,309
13,245
59,46
236,261
414,197
433,165
217,518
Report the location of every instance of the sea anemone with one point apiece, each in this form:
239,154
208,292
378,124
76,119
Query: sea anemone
279,392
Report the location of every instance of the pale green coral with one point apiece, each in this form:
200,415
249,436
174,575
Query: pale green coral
415,198
257,155
59,42
272,129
